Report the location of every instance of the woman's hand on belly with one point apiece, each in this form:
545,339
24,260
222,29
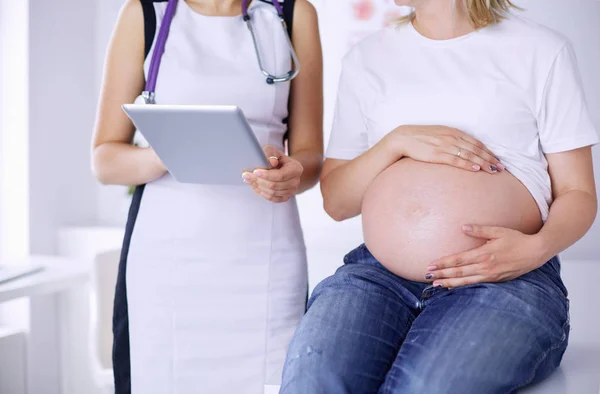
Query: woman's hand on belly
446,145
280,183
507,254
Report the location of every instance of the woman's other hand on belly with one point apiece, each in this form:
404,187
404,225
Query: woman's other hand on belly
446,145
507,254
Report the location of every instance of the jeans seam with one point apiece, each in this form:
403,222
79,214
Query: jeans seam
409,323
542,357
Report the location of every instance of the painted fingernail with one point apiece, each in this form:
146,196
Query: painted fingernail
493,168
429,276
501,167
432,267
467,228
476,167
257,173
274,157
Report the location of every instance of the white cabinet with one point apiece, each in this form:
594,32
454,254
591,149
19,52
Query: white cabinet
12,368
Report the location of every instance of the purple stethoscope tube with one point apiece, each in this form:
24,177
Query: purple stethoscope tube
163,34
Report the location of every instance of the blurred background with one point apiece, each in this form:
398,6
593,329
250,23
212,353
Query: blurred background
55,325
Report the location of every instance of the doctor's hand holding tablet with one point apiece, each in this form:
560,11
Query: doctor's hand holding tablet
280,183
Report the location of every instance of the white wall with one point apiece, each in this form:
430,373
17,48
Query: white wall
13,379
327,241
61,115
14,156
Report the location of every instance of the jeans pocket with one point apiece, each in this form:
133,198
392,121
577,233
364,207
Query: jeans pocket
547,278
551,272
353,256
360,255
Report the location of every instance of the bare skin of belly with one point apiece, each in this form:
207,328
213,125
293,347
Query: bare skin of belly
413,213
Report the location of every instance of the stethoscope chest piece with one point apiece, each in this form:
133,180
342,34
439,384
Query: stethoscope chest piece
272,78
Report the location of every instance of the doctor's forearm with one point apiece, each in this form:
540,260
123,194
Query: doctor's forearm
571,216
312,162
119,163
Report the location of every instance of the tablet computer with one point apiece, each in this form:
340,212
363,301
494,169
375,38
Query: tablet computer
201,144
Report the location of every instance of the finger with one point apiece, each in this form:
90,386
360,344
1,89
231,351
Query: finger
285,173
277,186
271,196
284,193
278,193
267,194
271,151
472,269
285,190
479,149
484,232
472,256
274,161
248,177
475,155
453,283
455,161
257,192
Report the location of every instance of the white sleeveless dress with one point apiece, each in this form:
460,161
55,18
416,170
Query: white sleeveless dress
216,276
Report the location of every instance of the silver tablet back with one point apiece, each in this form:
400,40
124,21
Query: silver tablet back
200,144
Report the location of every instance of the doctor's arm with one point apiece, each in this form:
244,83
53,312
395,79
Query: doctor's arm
114,159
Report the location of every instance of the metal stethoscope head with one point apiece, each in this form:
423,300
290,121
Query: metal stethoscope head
271,78
148,93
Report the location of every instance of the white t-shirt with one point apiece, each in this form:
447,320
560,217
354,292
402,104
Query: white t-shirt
515,86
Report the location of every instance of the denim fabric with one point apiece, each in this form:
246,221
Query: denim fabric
369,331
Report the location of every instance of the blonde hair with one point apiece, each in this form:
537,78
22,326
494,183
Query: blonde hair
481,13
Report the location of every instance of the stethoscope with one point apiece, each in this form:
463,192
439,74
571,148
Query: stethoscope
159,48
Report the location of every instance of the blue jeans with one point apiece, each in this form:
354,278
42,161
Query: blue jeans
367,330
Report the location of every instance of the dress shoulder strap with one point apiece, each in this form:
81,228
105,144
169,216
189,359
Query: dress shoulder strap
288,15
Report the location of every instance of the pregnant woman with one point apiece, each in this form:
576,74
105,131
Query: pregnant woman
462,136
212,279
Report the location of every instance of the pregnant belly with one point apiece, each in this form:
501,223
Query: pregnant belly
413,212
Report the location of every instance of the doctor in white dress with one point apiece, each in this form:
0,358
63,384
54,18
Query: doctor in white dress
213,278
